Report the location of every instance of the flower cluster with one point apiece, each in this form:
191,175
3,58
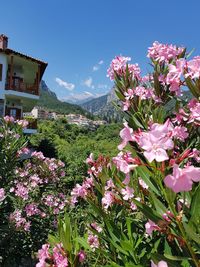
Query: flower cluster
56,203
164,52
57,258
28,185
19,221
120,64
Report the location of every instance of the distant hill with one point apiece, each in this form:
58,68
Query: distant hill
75,101
49,100
104,107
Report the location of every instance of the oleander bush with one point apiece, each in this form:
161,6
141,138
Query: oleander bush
144,203
31,195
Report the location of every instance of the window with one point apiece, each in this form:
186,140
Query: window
13,112
1,69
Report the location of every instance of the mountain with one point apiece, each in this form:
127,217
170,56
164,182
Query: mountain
49,100
104,107
74,100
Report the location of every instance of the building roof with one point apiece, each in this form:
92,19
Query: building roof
43,64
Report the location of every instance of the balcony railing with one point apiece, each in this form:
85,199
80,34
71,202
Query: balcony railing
17,84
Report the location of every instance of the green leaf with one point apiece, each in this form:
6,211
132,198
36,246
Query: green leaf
191,234
157,84
128,224
176,258
157,257
136,122
190,53
83,242
192,87
145,174
53,240
66,234
158,204
119,95
148,212
195,205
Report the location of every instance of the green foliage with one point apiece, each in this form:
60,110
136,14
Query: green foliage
73,144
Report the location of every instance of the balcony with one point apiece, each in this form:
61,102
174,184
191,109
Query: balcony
17,84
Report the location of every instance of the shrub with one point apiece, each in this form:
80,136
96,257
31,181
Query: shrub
31,194
145,201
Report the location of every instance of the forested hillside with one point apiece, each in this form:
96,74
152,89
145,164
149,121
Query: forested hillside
73,144
49,100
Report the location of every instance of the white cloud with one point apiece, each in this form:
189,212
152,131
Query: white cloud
97,66
66,85
88,93
73,98
102,86
88,83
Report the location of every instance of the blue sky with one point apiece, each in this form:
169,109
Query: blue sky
79,38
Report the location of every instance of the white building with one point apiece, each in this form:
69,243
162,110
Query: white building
20,76
39,113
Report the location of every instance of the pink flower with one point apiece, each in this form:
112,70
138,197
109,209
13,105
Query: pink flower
164,52
22,151
150,227
127,193
182,179
79,191
22,191
90,159
195,113
43,254
126,181
160,264
109,184
156,142
31,209
93,241
126,105
143,184
180,132
118,66
144,93
81,256
9,119
95,226
22,123
20,222
126,135
192,103
2,194
59,258
174,75
122,161
133,206
195,154
108,199
38,155
193,67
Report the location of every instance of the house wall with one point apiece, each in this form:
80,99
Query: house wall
34,112
3,61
